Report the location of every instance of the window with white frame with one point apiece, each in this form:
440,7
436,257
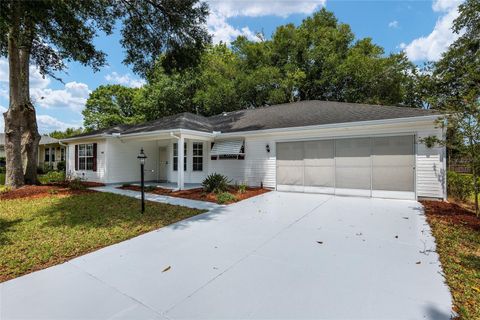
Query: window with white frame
197,156
85,156
62,154
47,155
175,157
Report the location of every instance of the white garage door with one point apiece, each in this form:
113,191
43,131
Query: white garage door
372,166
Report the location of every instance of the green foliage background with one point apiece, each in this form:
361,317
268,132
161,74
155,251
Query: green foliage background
319,59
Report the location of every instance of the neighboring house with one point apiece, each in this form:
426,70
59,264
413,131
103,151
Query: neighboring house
308,146
50,151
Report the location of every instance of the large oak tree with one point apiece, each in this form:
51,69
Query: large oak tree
49,33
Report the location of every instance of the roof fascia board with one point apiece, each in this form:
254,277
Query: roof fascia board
330,126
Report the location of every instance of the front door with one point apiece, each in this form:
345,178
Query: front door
162,164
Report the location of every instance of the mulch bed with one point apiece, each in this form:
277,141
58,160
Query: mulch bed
32,192
199,194
452,213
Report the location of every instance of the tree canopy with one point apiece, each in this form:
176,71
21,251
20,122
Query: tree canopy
319,59
452,85
49,33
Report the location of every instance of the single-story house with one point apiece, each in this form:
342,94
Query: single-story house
50,151
308,146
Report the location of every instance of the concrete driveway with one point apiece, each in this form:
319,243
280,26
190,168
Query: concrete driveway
279,255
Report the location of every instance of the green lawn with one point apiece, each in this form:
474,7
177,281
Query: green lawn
457,233
37,233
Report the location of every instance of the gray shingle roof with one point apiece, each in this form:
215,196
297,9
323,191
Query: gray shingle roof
288,115
43,140
309,113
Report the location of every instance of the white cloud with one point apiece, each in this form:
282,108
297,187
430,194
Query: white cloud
126,80
445,5
432,46
259,8
73,96
2,110
393,24
224,32
221,10
48,124
37,81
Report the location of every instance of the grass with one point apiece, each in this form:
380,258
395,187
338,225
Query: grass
458,245
37,233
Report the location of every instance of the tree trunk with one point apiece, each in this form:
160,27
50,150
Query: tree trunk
13,117
30,136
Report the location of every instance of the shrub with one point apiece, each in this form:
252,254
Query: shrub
460,186
242,188
150,188
47,168
126,185
76,184
52,177
4,189
215,182
225,197
61,166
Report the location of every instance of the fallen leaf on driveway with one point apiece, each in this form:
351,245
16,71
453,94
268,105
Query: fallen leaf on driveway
418,262
406,218
396,237
320,242
167,268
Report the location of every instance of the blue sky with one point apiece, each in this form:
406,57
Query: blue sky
420,27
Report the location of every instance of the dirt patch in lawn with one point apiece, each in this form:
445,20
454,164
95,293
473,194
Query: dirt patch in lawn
199,194
452,213
33,192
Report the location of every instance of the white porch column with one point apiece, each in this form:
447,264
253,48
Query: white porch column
180,152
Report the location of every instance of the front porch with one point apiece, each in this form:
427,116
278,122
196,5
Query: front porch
165,159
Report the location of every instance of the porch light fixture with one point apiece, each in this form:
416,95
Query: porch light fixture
142,156
268,148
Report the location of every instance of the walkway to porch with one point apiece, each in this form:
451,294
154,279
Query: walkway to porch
203,205
170,185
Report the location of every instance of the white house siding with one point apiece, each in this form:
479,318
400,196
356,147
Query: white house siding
95,176
431,167
260,166
123,165
257,168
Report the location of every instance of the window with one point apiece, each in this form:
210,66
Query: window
52,153
62,154
47,155
85,156
175,157
197,156
239,156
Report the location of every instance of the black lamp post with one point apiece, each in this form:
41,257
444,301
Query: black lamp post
141,156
